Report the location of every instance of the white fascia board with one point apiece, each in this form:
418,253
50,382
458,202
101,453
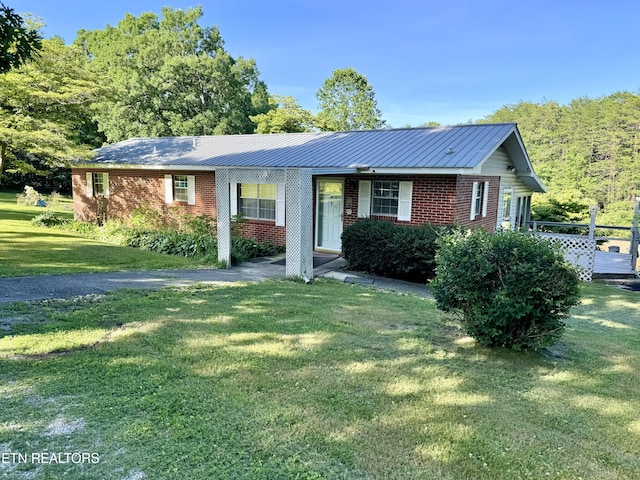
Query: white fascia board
333,171
422,171
131,166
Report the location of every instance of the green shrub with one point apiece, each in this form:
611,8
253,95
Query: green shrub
382,248
48,219
511,289
242,249
173,243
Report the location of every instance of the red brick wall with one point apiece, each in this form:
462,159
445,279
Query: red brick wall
464,194
264,231
130,189
433,198
436,199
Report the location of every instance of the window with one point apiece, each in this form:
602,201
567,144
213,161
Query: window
385,198
97,184
506,209
180,188
523,210
479,199
389,198
258,201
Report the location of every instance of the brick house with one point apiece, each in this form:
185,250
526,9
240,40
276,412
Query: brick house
301,190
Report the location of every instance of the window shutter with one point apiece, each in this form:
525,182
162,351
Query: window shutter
485,200
280,202
105,177
404,201
364,198
89,184
168,189
191,189
233,199
474,195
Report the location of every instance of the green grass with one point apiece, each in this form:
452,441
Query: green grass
283,380
29,250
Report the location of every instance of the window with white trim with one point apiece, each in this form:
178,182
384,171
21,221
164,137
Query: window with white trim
507,194
180,188
479,199
97,184
258,201
385,197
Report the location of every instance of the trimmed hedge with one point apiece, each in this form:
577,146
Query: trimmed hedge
511,289
381,247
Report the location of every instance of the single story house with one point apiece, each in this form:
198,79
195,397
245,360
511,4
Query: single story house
302,189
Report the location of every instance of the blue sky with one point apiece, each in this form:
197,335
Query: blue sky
444,61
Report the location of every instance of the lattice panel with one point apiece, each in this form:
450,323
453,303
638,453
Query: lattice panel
299,221
256,175
223,214
578,250
298,210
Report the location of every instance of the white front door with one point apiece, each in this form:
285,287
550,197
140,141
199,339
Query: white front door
330,200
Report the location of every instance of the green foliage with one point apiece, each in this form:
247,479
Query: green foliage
24,169
399,251
172,233
512,289
45,109
563,207
18,42
589,146
185,244
172,77
285,116
347,102
48,219
242,249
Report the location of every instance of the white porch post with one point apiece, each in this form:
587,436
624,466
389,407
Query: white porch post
224,216
299,221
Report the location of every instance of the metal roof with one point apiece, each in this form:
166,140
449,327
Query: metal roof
451,147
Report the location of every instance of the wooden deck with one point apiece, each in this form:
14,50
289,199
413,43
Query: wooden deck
608,263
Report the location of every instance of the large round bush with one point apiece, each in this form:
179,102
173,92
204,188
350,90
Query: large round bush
512,289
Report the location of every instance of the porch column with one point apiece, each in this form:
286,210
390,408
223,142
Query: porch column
299,221
224,216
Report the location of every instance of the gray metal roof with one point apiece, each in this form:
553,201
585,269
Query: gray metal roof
437,147
442,148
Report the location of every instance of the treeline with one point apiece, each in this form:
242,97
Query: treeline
148,76
587,152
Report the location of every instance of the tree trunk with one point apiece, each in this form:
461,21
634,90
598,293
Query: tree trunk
3,156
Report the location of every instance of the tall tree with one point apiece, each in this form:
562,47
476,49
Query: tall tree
347,102
285,116
173,77
45,108
18,42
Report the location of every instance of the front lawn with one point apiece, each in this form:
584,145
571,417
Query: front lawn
283,380
29,250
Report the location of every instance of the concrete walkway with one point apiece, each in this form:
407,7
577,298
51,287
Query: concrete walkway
17,289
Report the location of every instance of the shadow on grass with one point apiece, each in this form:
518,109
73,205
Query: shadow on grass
283,379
